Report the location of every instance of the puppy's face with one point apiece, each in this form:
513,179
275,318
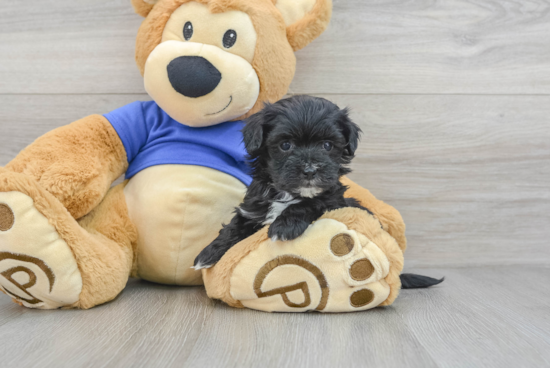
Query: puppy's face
301,145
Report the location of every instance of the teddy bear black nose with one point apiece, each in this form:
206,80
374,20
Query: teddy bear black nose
193,76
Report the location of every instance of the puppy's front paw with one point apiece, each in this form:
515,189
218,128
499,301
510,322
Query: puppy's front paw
207,258
286,229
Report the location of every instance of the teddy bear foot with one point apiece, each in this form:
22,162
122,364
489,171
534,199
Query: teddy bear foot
330,268
37,267
342,271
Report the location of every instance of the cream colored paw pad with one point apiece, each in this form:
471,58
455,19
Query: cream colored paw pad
366,263
328,269
37,267
6,218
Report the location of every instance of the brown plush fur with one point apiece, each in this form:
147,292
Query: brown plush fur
141,7
301,33
390,218
274,59
76,163
217,279
111,254
104,265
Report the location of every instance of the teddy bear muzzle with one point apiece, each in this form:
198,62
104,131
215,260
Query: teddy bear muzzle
200,85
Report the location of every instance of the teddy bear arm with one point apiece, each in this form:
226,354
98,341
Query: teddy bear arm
390,218
76,163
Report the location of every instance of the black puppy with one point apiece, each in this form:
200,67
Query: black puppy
298,148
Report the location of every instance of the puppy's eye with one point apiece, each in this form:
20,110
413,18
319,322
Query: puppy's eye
285,146
229,39
327,146
188,31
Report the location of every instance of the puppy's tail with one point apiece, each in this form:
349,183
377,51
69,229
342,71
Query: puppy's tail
412,281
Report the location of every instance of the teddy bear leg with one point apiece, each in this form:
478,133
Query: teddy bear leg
48,260
344,262
112,251
389,217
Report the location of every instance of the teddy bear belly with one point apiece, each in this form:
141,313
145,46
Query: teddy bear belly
178,210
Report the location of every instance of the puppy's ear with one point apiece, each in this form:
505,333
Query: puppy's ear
351,132
253,132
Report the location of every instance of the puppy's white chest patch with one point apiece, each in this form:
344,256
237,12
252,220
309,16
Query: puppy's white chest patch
310,192
278,207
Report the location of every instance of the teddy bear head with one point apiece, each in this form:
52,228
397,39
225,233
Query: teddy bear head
205,62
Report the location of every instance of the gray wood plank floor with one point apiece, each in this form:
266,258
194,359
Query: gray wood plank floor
493,316
454,101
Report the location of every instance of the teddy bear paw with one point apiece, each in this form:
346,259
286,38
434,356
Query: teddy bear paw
37,267
328,269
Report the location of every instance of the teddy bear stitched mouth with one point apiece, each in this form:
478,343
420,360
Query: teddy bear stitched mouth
225,108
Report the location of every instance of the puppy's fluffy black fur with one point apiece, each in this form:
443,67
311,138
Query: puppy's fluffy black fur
298,149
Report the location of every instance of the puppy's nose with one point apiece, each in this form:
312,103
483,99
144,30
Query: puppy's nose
309,172
193,76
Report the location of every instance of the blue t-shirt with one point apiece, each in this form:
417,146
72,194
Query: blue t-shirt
151,138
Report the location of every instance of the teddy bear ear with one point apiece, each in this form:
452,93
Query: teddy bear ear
305,19
143,7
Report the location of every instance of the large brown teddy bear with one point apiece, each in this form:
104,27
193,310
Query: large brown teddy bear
69,240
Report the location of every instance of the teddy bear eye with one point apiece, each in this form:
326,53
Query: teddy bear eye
327,146
188,31
285,146
229,39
